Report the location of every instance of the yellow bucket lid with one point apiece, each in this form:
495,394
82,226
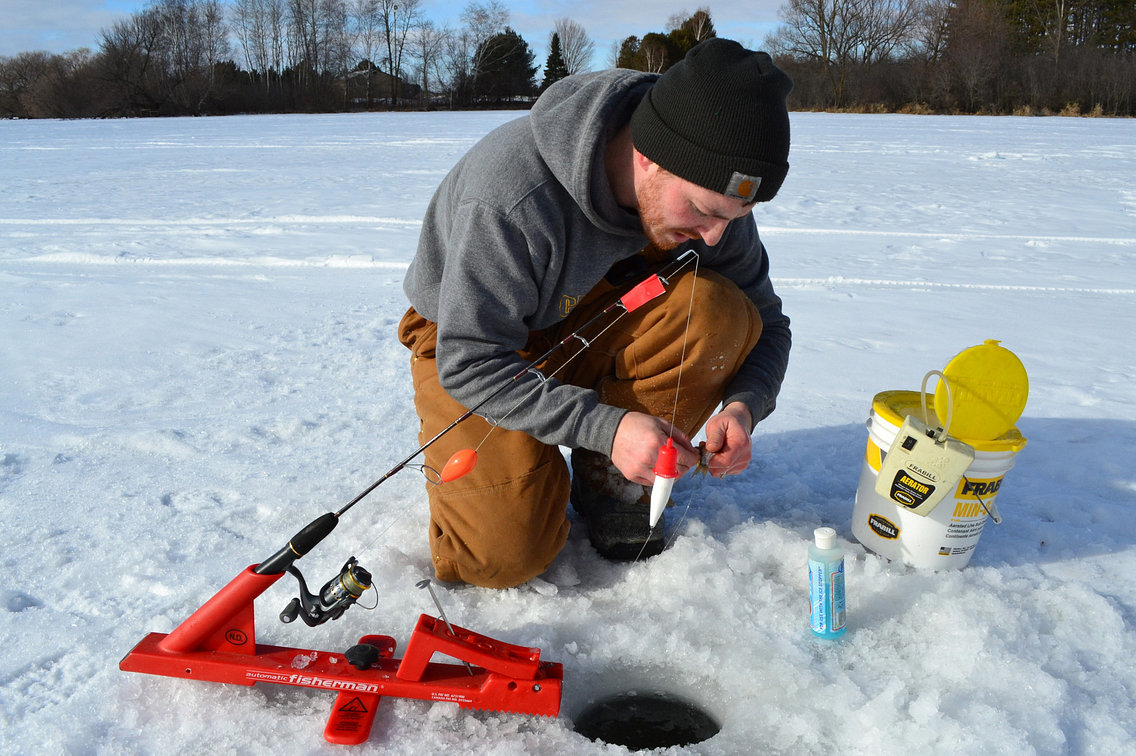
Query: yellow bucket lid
989,388
894,406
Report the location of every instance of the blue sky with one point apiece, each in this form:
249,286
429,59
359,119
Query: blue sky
61,25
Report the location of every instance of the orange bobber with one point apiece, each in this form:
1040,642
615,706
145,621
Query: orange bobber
459,465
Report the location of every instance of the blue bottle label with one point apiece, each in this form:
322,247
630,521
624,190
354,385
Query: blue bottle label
826,597
818,617
838,597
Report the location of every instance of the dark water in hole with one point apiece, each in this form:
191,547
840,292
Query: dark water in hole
646,720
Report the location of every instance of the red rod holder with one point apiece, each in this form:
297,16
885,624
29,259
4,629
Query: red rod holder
217,643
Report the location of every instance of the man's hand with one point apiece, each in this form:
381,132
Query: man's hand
727,436
636,447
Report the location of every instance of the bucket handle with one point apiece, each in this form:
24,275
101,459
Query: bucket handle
942,435
990,508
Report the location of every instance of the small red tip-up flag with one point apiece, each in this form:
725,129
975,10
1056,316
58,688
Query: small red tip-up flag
642,294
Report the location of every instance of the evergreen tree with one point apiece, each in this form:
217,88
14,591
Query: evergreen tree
656,51
629,55
507,70
555,68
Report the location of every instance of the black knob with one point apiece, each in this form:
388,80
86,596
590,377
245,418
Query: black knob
291,611
362,656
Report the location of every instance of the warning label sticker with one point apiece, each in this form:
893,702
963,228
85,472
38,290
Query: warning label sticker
354,705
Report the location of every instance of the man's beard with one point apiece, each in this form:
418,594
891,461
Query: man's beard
655,227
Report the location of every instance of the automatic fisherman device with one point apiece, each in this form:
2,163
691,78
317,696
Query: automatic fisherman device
217,642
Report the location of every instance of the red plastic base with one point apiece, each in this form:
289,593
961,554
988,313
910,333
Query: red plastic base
217,643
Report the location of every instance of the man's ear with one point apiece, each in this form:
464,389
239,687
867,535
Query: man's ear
642,162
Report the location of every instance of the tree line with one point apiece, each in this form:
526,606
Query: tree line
971,56
196,57
201,57
946,56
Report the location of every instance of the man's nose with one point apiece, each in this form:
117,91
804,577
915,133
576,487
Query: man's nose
711,232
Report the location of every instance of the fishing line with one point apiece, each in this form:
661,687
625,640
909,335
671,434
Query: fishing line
637,589
495,424
431,484
689,501
682,261
587,344
685,334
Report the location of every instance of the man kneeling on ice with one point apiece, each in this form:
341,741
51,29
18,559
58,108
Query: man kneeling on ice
540,226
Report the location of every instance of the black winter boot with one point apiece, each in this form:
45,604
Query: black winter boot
617,510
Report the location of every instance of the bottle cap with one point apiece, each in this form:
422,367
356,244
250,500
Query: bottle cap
825,538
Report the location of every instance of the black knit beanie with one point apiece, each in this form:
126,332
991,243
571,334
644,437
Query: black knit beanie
717,118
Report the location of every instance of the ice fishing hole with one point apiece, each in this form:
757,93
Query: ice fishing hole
639,721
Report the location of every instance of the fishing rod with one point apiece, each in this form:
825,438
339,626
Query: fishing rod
343,590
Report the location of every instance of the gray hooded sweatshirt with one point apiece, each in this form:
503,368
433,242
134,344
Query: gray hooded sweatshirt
525,225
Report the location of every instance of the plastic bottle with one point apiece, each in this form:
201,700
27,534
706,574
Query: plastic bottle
826,585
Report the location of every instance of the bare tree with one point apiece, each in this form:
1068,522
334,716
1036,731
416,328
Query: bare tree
260,29
248,26
191,39
653,48
304,40
837,35
397,18
339,41
133,63
465,48
367,25
18,77
976,51
1052,18
276,25
320,45
612,59
576,47
928,38
69,88
214,37
880,27
427,45
817,30
700,24
483,20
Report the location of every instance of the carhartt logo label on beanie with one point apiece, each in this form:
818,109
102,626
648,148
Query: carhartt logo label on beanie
743,187
717,118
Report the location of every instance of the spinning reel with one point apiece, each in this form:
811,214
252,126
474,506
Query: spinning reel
334,598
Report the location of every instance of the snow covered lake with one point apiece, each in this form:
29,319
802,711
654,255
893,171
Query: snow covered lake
198,356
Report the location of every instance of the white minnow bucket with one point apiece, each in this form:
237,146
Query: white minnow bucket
946,537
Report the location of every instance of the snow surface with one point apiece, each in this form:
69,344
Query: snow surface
198,356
